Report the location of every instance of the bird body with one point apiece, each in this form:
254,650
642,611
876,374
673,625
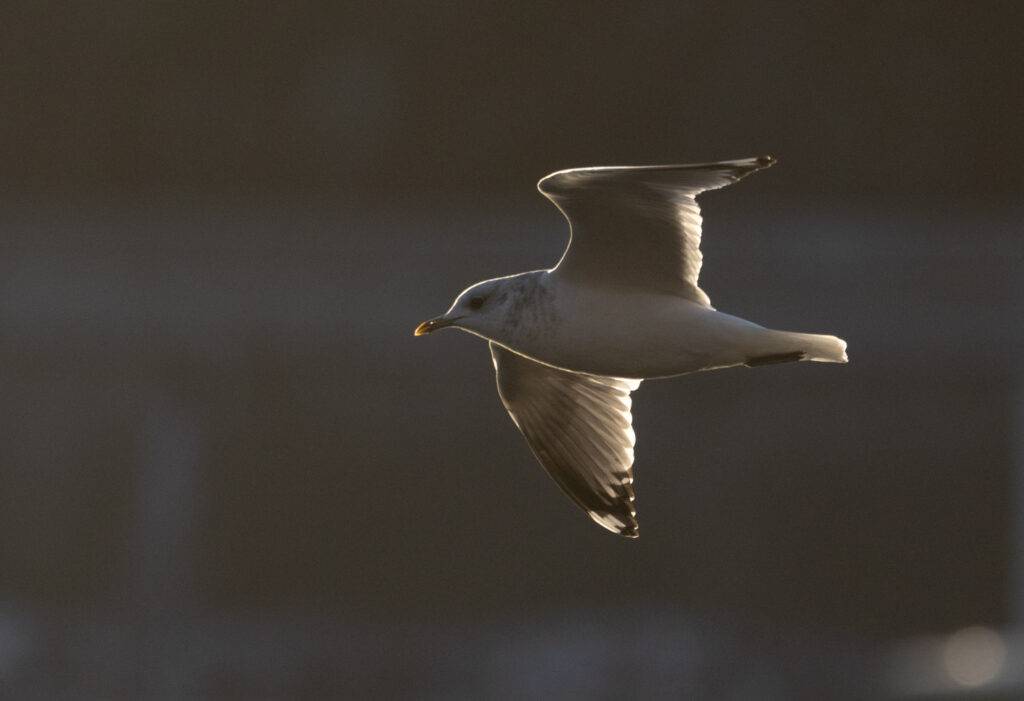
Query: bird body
622,305
630,332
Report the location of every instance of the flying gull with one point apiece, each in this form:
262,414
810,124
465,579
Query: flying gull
622,305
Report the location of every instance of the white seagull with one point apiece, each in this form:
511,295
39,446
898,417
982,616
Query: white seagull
622,305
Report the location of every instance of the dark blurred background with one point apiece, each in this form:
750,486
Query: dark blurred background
229,471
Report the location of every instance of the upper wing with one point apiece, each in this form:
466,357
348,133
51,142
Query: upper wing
639,226
579,428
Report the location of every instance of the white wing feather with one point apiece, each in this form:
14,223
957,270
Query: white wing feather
580,429
639,226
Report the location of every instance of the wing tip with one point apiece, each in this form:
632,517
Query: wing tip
617,523
752,165
629,531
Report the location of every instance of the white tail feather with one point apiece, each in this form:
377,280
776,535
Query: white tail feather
821,348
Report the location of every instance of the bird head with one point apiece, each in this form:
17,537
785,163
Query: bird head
479,309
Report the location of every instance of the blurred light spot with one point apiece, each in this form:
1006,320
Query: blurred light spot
974,656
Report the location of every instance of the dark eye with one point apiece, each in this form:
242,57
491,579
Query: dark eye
476,302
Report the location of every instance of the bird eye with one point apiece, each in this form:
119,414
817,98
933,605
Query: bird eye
476,302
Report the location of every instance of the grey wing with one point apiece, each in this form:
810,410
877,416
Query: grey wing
639,226
580,429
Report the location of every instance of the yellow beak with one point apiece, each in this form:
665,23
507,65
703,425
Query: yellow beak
433,325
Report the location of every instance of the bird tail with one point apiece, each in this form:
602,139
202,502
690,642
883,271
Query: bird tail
821,348
789,346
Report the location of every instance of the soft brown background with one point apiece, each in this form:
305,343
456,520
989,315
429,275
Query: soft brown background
229,470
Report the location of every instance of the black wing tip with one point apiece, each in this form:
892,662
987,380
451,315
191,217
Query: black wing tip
618,523
752,165
628,531
737,170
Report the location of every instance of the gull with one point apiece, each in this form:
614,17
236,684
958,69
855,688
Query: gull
622,305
